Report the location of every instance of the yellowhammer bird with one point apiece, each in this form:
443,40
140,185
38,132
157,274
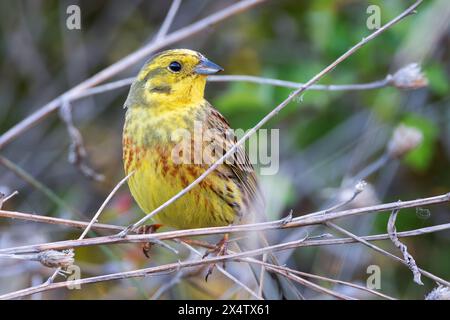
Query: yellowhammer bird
165,106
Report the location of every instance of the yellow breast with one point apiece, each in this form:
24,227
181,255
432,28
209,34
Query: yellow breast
147,149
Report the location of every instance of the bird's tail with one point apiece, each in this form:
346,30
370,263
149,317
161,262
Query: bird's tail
272,286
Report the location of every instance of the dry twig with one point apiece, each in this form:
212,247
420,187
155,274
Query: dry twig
387,81
313,276
384,252
77,152
168,20
122,64
224,272
409,260
305,220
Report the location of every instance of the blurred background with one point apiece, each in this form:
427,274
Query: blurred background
327,139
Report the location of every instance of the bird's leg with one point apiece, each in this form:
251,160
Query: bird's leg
147,229
220,249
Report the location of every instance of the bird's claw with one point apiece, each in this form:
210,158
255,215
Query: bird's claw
147,229
220,249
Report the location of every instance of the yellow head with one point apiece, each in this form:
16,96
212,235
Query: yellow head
171,78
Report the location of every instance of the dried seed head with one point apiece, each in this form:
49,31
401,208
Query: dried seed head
360,186
409,77
403,140
439,293
56,259
367,195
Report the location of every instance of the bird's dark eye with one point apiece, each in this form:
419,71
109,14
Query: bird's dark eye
175,66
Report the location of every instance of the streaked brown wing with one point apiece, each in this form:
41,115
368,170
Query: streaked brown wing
240,168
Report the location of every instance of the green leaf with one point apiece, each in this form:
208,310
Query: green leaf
438,79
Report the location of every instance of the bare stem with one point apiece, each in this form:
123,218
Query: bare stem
245,78
102,207
168,20
57,221
149,271
124,63
28,178
313,276
310,219
224,272
409,259
77,152
295,85
384,252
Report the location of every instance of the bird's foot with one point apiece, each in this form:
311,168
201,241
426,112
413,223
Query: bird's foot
220,249
147,229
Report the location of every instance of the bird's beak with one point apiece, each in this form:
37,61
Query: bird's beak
207,67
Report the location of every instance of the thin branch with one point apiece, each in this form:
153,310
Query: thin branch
271,114
77,151
102,207
110,86
57,221
225,273
407,77
277,224
218,259
168,20
283,273
123,64
285,270
60,245
148,271
372,167
376,208
387,81
21,173
344,283
89,226
357,190
273,259
409,260
174,267
174,280
313,276
295,85
262,277
384,252
288,274
4,199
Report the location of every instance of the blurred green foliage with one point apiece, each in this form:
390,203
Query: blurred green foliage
420,158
